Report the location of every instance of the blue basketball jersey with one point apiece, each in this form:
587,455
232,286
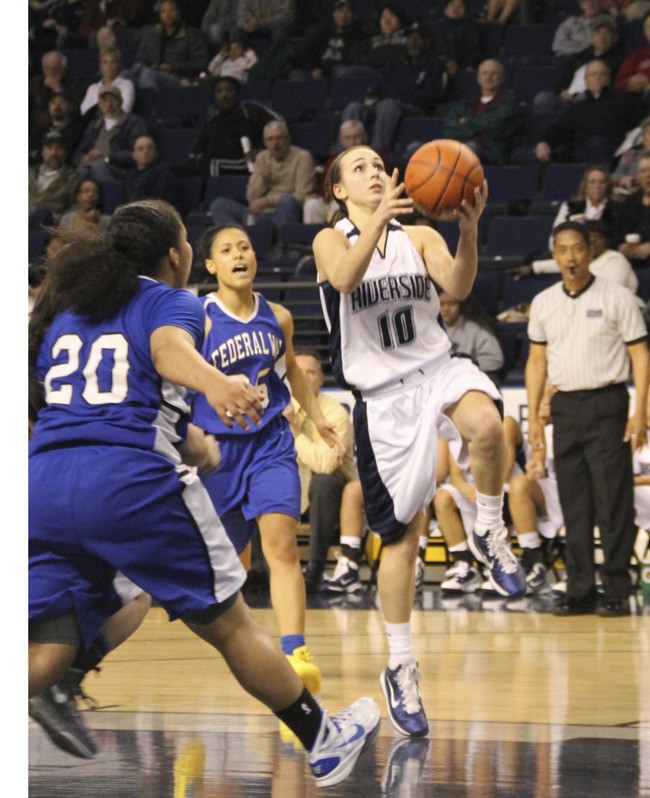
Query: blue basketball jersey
100,383
254,347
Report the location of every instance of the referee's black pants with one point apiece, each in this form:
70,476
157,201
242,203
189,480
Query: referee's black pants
596,487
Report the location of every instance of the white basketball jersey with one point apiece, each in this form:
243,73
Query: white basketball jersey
388,327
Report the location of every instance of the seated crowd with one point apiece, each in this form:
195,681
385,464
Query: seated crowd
103,130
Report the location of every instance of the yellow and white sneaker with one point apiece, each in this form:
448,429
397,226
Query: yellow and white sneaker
302,662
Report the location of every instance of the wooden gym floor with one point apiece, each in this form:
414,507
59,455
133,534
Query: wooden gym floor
521,704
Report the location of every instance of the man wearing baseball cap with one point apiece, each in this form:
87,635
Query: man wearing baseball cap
52,184
104,152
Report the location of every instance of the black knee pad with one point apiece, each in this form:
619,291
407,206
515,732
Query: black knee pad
207,616
63,630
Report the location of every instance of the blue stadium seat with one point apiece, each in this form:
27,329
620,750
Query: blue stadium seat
189,193
521,290
231,186
510,184
112,194
174,143
183,106
487,289
261,236
36,243
516,237
298,100
462,85
528,43
298,236
418,129
529,79
347,90
317,137
256,89
561,181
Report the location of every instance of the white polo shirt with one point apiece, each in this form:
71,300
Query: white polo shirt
586,334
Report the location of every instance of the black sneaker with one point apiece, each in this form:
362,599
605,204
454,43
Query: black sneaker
614,608
56,712
573,606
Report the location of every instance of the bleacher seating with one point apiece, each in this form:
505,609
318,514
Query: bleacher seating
523,198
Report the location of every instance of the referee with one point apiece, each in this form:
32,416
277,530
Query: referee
585,332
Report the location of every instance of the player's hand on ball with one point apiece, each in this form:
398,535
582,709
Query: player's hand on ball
393,203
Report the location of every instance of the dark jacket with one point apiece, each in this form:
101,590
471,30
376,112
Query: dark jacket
497,126
415,84
328,47
185,51
154,182
129,128
609,115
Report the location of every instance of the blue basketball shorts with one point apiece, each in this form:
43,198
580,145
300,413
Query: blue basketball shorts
258,475
98,510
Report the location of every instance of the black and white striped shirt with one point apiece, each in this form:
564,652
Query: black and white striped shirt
586,334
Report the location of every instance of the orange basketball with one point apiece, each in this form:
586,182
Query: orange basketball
441,174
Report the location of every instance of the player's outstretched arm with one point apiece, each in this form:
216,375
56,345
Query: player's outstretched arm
175,358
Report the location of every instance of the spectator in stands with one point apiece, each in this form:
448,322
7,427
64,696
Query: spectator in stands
234,59
605,46
472,333
387,46
633,235
113,23
230,124
591,128
534,502
594,200
56,23
171,52
283,175
490,123
455,510
61,118
316,211
110,65
88,208
634,145
150,179
456,37
52,185
322,475
573,34
267,20
54,77
105,149
326,51
411,87
501,11
218,23
634,73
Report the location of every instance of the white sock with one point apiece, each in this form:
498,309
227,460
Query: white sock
400,644
489,512
529,540
351,540
424,540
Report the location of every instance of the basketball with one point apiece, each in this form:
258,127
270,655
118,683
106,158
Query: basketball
441,174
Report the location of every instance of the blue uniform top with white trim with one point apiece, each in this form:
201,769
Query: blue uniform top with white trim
100,384
255,348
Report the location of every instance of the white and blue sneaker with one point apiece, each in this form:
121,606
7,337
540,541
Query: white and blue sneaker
400,688
341,739
505,572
